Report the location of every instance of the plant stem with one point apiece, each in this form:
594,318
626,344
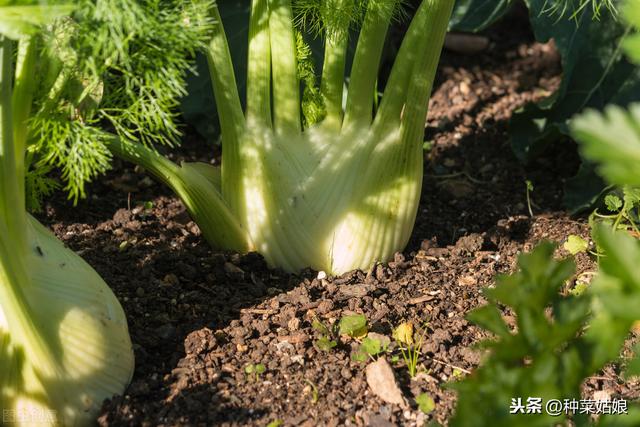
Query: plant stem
259,64
12,202
203,201
232,120
395,93
424,70
14,278
333,69
22,100
286,87
366,63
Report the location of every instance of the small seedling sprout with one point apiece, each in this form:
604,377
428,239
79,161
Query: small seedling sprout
529,185
255,370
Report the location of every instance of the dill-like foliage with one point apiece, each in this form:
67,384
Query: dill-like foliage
337,17
574,8
112,66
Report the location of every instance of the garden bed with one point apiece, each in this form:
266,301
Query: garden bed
199,317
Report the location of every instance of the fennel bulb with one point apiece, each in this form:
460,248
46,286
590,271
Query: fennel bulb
337,189
64,343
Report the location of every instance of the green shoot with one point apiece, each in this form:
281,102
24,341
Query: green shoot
328,336
529,186
254,371
410,344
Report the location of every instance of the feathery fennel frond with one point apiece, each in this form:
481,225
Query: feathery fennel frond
119,63
334,18
313,109
574,8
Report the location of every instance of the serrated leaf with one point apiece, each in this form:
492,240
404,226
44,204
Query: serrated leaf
612,140
631,196
489,318
612,202
354,326
575,244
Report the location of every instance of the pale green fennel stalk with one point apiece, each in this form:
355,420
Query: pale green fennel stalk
334,195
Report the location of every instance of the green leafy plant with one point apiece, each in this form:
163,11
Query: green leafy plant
576,244
305,181
370,348
410,344
328,335
255,371
611,140
69,71
553,350
354,325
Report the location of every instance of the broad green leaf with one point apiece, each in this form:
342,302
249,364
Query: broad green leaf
575,244
612,140
371,346
595,73
476,15
354,326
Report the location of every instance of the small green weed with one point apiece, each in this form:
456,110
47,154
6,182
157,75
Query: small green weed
255,371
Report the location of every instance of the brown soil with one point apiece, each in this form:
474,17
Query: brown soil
198,317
